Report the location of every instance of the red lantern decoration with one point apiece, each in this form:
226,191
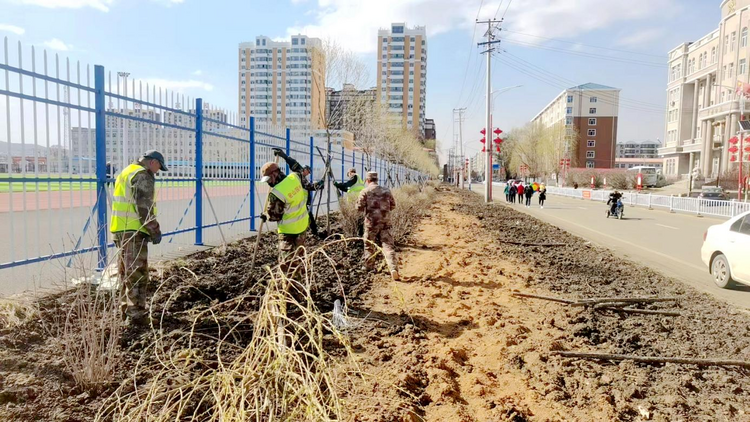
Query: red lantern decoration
483,132
484,149
498,131
483,140
733,158
733,140
747,148
498,141
733,149
498,149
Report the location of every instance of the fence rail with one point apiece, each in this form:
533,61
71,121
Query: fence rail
67,129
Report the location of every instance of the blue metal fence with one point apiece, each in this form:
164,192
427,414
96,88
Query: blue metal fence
68,134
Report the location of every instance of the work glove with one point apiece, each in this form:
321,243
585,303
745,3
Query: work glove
279,153
338,185
319,185
263,218
156,235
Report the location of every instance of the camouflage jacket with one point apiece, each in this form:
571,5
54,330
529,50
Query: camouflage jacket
377,203
276,206
143,190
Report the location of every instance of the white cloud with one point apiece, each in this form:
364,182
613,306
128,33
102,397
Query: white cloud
177,85
102,5
354,23
12,28
641,37
55,44
198,72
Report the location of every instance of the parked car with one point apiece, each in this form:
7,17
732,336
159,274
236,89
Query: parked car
726,251
714,193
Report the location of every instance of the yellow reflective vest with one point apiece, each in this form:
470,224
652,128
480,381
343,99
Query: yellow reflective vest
294,196
358,187
124,211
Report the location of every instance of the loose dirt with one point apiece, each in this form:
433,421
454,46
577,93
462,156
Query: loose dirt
449,342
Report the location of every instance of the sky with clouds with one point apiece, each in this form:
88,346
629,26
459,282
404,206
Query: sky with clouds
548,45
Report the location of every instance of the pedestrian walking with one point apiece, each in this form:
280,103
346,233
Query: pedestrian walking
377,202
529,192
303,172
513,193
507,192
134,225
542,196
287,204
521,190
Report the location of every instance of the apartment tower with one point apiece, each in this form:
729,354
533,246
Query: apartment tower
283,83
590,110
402,74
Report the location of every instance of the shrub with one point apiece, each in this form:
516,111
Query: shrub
412,202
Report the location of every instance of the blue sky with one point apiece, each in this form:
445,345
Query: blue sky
191,45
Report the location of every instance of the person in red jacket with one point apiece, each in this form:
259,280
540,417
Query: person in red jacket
521,189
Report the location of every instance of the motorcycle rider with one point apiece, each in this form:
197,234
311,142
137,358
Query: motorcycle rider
614,198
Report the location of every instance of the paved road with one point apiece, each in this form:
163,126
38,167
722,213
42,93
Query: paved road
667,242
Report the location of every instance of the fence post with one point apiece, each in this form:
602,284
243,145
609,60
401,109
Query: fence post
671,203
698,207
288,146
101,166
649,201
199,171
733,204
312,158
343,162
252,173
354,162
363,161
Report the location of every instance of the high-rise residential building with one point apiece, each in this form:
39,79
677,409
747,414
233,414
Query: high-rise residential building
590,110
346,107
429,129
282,83
638,149
402,74
702,106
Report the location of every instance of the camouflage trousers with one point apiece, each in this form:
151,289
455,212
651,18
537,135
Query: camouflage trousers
133,272
288,244
380,234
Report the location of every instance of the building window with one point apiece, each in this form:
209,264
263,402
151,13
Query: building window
731,70
569,110
570,99
569,120
592,122
726,43
713,55
593,99
592,132
591,143
590,154
734,40
589,164
592,110
743,68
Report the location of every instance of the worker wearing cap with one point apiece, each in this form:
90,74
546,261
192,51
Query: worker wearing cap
353,186
303,171
134,225
377,202
287,205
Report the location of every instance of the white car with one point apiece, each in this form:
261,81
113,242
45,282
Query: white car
726,251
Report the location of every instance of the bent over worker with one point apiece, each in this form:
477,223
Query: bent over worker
377,203
287,205
353,186
303,171
134,225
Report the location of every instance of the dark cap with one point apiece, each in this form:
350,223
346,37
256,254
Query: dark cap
307,168
156,155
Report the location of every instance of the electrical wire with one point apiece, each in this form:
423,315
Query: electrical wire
506,9
498,9
471,54
661,56
588,55
566,81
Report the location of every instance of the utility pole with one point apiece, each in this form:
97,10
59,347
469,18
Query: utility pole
492,25
461,143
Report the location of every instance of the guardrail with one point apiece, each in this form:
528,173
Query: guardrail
694,206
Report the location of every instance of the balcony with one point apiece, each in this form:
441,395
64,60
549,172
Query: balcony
719,109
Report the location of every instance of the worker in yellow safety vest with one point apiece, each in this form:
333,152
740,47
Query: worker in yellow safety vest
134,225
353,186
287,205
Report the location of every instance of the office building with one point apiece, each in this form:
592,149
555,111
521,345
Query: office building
402,74
703,107
282,83
590,111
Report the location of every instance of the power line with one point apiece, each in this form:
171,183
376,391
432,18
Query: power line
589,55
506,9
661,56
498,9
471,55
569,81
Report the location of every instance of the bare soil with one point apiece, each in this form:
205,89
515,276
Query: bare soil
449,342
